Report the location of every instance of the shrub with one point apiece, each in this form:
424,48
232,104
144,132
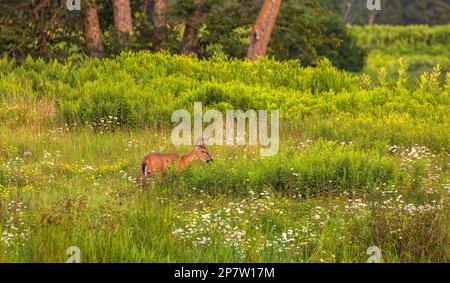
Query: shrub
325,167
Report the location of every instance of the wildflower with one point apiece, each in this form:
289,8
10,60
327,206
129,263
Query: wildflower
88,168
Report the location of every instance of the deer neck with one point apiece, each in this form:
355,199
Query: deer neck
186,160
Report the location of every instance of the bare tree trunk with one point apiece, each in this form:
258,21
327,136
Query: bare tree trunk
371,19
244,11
122,20
160,13
347,11
160,23
91,29
260,34
192,28
149,7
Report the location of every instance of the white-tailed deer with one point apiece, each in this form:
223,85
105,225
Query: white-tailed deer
159,162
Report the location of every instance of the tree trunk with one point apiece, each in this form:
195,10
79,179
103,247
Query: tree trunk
371,19
260,34
244,11
160,23
38,15
347,11
149,7
91,29
122,20
160,13
192,28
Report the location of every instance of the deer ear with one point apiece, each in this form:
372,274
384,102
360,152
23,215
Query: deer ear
199,141
205,140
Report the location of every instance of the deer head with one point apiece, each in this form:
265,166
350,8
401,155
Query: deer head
201,152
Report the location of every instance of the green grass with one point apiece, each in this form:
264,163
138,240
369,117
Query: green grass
362,162
423,48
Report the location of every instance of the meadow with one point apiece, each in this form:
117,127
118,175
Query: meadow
423,47
364,161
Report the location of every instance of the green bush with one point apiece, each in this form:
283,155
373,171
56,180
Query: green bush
143,89
326,167
423,47
308,32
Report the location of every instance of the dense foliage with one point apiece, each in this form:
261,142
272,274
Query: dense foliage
149,87
304,30
423,47
393,12
362,162
408,37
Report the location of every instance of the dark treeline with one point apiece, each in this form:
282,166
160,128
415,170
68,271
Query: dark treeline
284,29
393,12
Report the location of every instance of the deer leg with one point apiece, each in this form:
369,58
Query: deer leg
145,177
165,172
146,173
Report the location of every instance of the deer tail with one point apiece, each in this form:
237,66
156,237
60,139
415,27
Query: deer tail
144,169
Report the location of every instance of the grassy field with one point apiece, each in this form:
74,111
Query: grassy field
422,47
362,162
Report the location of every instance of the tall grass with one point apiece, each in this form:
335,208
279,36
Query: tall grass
143,90
362,162
410,37
424,47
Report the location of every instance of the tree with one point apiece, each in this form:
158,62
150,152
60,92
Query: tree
346,8
304,30
192,27
260,34
394,12
160,13
91,29
431,12
148,9
123,21
371,18
160,23
307,31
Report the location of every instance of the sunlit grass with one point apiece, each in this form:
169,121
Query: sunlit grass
362,162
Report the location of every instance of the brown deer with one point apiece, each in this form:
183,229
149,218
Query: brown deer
158,162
